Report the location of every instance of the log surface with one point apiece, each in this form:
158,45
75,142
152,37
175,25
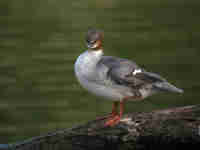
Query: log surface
162,129
170,128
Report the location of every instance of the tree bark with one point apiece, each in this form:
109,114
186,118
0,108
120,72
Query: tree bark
162,129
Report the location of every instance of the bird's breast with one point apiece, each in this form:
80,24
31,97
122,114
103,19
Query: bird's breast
85,65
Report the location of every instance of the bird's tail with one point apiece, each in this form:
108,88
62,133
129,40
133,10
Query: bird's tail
165,86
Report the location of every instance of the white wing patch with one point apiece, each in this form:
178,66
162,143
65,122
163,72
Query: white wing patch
136,71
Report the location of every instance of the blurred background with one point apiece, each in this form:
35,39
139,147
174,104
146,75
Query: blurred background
41,39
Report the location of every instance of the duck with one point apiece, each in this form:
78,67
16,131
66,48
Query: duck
116,79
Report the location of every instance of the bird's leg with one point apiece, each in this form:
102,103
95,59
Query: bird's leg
121,108
115,118
112,114
114,109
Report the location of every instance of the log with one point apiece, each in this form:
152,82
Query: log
172,128
163,129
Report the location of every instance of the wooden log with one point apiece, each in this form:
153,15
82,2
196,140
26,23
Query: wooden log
162,129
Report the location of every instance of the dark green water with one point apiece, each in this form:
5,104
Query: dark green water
40,41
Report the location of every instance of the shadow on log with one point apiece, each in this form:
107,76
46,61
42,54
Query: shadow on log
163,129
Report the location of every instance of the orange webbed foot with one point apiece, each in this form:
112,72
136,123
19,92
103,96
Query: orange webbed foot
112,121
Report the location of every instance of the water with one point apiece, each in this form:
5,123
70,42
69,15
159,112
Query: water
40,41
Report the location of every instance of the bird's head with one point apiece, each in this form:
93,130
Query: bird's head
94,39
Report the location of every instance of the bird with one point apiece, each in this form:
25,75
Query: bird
115,79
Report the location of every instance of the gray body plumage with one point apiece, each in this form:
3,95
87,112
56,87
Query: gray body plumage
115,78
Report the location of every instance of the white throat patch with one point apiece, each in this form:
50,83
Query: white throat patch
98,53
95,45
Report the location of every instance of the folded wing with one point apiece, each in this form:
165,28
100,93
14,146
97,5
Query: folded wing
128,73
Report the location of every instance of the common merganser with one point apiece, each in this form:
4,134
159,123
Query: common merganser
115,78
